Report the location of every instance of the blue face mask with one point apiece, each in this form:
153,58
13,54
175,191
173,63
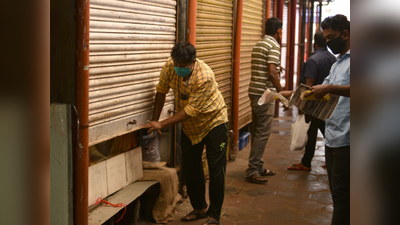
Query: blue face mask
182,71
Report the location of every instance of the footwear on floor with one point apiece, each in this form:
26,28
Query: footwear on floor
267,172
194,215
256,178
210,221
299,166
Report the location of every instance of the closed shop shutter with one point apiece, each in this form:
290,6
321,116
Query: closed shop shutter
252,29
129,43
214,41
284,55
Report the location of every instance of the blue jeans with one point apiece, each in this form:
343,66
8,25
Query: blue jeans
261,124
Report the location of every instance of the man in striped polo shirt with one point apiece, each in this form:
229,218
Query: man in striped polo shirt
265,67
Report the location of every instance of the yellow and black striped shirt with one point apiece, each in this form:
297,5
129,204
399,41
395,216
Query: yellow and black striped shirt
266,51
198,96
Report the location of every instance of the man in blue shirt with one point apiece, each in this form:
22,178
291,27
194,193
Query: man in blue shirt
337,134
315,70
336,30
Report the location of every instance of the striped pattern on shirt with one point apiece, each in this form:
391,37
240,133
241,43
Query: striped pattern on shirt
202,100
266,51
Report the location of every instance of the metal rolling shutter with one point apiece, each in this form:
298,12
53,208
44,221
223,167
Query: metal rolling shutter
251,33
129,43
214,41
284,55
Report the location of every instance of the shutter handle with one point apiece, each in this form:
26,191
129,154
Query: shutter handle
131,122
171,111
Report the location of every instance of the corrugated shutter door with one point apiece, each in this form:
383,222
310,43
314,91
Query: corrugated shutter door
251,34
284,55
214,41
129,43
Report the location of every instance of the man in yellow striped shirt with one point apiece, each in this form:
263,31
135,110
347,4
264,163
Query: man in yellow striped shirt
203,113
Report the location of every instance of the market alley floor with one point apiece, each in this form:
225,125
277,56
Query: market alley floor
289,197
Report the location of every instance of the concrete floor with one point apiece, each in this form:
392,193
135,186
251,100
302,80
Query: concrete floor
289,197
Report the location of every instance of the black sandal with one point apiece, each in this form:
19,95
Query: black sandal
256,178
211,221
267,172
197,215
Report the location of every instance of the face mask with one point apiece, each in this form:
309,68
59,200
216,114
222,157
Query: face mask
182,71
336,45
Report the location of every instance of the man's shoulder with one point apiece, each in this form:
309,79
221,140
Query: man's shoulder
203,66
329,55
314,58
168,67
169,61
268,41
322,55
204,71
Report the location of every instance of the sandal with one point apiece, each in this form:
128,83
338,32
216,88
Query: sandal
210,221
267,172
197,215
299,166
256,178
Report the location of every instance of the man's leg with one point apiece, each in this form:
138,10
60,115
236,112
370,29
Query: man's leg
216,142
192,168
329,162
321,126
312,139
261,130
338,166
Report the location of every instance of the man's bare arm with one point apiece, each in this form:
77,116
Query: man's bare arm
158,105
309,81
274,77
177,118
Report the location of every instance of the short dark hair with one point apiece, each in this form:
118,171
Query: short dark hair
319,39
272,25
338,22
183,53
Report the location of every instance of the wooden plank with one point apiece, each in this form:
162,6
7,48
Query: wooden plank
116,173
97,182
125,196
134,164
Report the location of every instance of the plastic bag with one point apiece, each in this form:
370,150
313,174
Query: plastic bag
269,96
150,148
298,139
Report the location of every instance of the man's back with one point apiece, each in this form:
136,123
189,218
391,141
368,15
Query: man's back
266,51
199,97
317,66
